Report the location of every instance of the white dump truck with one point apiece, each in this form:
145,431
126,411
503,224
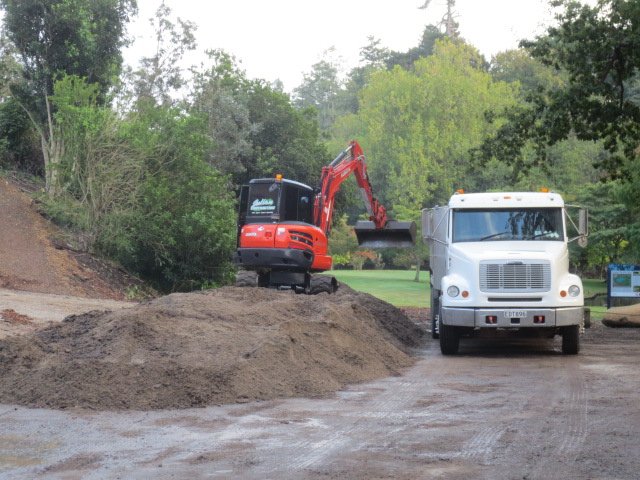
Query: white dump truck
499,266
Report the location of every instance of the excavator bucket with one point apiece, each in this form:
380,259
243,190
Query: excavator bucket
393,235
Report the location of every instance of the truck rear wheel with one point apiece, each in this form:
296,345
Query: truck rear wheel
449,339
435,314
571,340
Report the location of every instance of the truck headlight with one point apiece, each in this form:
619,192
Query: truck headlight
574,290
453,291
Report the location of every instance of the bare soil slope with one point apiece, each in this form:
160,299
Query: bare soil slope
197,349
29,260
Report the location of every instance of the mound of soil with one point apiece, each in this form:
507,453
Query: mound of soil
628,316
221,346
34,258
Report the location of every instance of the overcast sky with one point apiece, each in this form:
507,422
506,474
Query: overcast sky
282,39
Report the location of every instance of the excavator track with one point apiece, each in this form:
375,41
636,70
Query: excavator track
322,283
246,278
317,283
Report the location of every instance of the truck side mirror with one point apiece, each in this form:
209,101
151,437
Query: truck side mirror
583,222
427,223
583,227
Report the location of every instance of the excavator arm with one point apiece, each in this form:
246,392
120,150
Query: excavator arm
378,232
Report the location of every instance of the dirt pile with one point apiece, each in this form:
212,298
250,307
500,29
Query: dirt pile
34,256
197,349
628,316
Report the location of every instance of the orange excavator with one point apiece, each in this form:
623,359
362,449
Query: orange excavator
284,225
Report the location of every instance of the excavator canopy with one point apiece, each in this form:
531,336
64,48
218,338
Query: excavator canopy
393,235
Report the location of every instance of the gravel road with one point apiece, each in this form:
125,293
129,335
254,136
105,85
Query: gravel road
497,411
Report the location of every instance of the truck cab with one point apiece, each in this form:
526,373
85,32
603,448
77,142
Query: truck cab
500,266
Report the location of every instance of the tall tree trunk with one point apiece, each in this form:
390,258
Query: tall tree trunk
52,148
52,152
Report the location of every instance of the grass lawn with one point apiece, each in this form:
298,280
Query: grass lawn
593,286
393,286
398,288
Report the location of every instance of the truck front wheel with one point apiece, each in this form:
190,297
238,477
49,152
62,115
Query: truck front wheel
449,339
571,340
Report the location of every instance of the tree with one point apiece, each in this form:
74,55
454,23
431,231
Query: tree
254,128
406,60
418,126
219,93
98,168
160,75
10,69
373,57
19,147
612,236
519,66
320,89
180,234
448,22
598,49
76,37
286,140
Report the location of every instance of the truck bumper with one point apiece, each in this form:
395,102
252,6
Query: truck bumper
512,317
274,258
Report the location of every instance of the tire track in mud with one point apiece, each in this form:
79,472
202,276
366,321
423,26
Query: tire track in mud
482,445
386,417
365,420
575,429
569,425
383,411
551,428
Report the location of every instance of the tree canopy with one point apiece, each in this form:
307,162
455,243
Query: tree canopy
597,48
76,37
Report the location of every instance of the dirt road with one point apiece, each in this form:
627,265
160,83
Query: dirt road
497,411
36,310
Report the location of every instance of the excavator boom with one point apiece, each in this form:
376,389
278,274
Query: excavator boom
379,231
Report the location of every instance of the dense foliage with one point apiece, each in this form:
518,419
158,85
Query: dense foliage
144,163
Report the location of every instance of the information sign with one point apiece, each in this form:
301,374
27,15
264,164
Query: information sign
623,281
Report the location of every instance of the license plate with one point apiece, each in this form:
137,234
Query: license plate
515,314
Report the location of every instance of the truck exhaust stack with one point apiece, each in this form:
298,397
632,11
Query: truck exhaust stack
393,235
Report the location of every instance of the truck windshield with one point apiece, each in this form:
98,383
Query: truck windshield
507,224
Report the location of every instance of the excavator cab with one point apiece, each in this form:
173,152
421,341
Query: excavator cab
275,200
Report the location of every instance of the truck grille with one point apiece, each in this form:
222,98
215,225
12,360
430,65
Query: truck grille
510,276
